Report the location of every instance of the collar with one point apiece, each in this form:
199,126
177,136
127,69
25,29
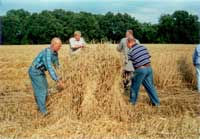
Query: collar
134,45
54,52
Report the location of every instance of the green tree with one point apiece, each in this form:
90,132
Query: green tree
180,27
43,27
185,27
166,29
14,26
149,33
21,27
115,26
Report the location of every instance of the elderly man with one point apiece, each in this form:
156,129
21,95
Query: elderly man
43,62
143,74
77,42
127,66
196,63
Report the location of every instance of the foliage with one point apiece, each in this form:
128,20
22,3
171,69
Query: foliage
22,27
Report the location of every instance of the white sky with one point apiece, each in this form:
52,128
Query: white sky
142,10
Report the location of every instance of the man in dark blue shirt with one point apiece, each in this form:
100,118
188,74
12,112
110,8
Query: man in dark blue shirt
143,74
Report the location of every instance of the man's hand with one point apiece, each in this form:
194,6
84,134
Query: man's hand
60,85
82,46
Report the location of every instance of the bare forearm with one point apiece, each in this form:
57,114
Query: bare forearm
76,46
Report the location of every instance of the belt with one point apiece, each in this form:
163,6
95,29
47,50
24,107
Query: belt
144,66
39,68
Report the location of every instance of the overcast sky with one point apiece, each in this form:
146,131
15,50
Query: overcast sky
142,10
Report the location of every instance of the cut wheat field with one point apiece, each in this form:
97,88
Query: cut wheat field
93,103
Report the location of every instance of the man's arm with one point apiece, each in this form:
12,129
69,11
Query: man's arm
194,57
120,46
83,42
57,63
49,65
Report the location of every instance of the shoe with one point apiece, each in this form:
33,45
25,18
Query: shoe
44,114
156,105
132,103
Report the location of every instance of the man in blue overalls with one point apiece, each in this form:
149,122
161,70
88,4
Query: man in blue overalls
45,61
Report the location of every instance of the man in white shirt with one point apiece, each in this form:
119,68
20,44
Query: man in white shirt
77,42
127,65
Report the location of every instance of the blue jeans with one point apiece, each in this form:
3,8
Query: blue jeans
144,76
40,87
198,76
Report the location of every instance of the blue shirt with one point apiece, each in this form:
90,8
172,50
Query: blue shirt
45,60
196,55
139,56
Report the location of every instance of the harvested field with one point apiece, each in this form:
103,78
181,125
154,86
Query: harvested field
93,103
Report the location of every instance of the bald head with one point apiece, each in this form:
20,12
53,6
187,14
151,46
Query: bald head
130,41
56,41
56,44
129,33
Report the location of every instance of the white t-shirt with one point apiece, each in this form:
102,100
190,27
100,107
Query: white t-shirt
73,42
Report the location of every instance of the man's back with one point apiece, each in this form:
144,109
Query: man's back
139,55
122,47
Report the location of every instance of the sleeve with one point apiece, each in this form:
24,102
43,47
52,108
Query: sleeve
57,63
137,41
71,42
120,46
129,55
194,57
49,65
83,42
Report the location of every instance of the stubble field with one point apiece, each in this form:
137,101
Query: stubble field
93,103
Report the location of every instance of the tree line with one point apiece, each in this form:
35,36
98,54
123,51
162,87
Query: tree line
23,27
